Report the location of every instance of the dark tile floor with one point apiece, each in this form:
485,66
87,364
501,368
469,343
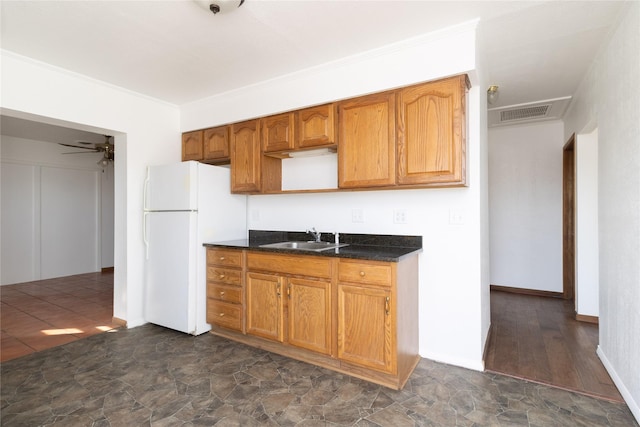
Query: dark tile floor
153,376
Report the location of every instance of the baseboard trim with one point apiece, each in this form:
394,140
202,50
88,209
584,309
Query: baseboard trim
634,406
532,292
106,270
588,319
119,322
486,343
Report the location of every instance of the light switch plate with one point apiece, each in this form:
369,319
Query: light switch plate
357,215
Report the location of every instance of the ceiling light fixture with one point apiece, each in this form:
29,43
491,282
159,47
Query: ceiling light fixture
492,94
220,6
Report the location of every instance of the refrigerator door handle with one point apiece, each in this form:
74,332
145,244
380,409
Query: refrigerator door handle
145,188
145,239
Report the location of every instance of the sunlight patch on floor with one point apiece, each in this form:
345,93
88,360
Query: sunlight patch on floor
67,331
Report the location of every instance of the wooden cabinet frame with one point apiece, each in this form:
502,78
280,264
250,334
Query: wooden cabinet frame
431,136
367,148
364,320
412,137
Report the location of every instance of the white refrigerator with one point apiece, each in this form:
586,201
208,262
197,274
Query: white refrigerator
185,205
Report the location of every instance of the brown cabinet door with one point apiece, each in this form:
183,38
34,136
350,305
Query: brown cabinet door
192,145
310,314
366,152
265,306
316,126
216,144
365,331
277,132
431,133
245,156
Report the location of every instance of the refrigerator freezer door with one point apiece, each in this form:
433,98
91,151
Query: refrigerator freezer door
172,187
170,291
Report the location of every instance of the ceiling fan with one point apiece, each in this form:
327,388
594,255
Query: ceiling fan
106,147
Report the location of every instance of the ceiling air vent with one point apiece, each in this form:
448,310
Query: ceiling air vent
548,109
524,113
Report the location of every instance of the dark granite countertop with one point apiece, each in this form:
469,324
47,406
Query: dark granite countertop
374,247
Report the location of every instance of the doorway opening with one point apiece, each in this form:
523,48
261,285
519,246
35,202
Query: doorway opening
568,219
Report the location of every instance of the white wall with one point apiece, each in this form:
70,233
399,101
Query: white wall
586,231
525,199
54,209
607,98
146,131
453,314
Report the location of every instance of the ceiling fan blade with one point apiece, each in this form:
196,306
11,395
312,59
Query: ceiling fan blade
82,152
75,146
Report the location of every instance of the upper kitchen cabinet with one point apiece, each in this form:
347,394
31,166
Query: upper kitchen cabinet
277,132
411,137
192,145
316,127
251,172
216,145
367,148
431,132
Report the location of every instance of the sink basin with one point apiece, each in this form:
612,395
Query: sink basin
305,246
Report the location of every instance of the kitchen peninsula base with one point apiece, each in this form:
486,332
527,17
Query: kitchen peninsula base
353,310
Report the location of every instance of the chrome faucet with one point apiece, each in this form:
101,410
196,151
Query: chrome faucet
316,234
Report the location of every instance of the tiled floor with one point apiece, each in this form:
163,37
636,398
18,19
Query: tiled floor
46,313
153,376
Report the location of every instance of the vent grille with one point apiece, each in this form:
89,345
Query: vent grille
524,113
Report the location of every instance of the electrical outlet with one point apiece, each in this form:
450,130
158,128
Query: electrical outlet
456,217
357,215
400,216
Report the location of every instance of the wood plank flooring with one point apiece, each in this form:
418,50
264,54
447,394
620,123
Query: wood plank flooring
538,339
46,313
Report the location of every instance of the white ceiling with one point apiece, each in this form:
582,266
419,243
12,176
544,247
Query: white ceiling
178,51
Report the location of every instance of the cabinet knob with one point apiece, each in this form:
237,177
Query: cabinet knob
221,314
221,293
221,258
362,274
221,276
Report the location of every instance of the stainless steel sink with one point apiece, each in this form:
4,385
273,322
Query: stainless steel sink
305,246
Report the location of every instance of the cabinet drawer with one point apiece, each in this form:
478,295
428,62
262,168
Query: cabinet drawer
224,314
225,293
375,273
224,275
290,264
224,257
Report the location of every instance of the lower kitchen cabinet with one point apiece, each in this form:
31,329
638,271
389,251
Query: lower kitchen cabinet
265,306
309,303
365,332
287,308
225,278
353,316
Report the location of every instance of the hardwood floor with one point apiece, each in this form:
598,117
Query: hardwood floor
538,339
38,315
